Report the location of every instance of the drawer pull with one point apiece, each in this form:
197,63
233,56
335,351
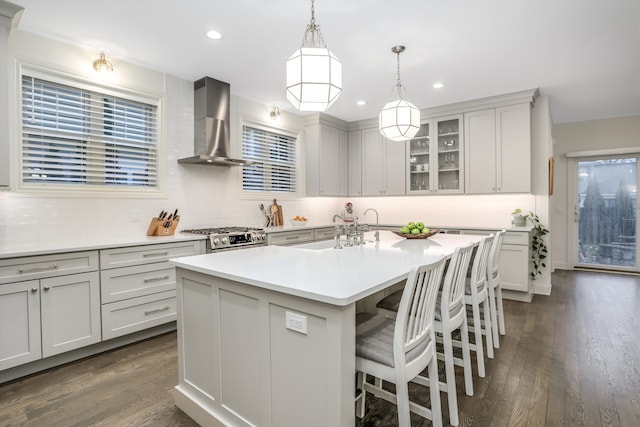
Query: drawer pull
155,279
156,254
157,310
34,269
292,237
34,290
46,288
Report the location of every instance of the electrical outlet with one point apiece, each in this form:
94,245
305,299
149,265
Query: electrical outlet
134,215
296,322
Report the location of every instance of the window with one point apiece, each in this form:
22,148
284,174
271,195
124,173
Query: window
77,138
275,157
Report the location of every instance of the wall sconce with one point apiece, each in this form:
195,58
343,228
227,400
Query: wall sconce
101,64
275,113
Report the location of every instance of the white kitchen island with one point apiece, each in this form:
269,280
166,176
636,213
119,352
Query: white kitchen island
266,336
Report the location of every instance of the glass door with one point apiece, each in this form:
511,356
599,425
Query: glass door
449,155
605,213
419,161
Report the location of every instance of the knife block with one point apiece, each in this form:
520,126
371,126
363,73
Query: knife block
162,227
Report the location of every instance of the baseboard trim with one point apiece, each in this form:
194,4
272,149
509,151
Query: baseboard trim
80,353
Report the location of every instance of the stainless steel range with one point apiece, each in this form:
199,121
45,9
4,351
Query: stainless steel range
228,238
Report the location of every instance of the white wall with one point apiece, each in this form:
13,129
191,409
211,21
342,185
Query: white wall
206,196
621,132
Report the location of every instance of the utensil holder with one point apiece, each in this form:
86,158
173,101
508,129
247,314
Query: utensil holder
162,227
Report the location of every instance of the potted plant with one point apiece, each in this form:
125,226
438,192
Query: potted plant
538,245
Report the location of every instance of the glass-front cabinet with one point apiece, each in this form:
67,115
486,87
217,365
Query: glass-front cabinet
435,157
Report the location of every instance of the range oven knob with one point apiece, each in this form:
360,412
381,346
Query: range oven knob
224,240
216,241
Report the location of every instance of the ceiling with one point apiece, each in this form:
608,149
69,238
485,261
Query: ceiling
583,54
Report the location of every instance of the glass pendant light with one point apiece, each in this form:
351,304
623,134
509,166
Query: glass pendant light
314,74
399,120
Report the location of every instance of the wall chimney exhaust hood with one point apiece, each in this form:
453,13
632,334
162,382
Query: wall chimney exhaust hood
211,125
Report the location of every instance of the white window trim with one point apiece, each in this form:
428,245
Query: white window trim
50,190
253,195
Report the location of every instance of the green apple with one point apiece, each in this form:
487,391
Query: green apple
425,230
405,230
411,225
415,231
419,225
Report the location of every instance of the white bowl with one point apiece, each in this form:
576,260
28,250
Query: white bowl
296,223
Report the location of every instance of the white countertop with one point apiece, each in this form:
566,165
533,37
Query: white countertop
46,245
318,272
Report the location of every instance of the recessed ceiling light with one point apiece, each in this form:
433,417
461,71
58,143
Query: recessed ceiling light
214,35
438,85
361,102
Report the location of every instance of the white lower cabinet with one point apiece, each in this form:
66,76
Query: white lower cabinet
42,318
19,323
514,266
70,312
286,238
138,286
514,263
52,304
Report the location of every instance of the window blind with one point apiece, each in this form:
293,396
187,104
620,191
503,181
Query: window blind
275,157
83,138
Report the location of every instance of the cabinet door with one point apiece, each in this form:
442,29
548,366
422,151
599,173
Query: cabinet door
513,147
355,163
514,267
19,323
448,155
419,161
480,151
333,162
394,168
70,310
372,163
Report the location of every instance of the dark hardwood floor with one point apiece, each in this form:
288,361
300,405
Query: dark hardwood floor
569,359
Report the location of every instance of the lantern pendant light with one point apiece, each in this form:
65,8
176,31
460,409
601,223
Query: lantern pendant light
314,74
399,120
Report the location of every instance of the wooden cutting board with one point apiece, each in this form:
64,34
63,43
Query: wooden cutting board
276,210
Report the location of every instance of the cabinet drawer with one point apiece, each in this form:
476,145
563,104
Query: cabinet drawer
515,238
130,282
290,237
135,255
135,314
324,233
41,266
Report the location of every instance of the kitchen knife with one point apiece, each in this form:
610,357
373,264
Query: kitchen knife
162,213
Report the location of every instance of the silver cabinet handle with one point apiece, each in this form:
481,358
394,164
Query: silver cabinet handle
34,269
156,254
156,279
157,310
46,288
34,290
292,238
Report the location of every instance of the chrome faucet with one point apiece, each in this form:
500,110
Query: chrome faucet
377,233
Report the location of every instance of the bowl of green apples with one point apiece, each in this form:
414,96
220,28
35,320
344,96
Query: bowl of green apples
415,230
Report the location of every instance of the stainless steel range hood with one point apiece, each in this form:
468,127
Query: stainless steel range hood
211,125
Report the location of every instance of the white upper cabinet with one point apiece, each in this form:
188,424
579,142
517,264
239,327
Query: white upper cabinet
355,163
326,160
7,12
435,157
498,150
383,165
